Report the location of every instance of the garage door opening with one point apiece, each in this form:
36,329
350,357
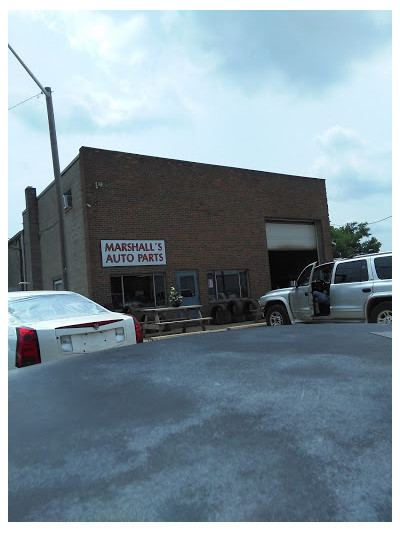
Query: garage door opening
285,266
291,247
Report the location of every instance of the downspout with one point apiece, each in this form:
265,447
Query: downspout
23,269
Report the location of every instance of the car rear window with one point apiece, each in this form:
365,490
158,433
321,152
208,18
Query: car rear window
49,306
383,267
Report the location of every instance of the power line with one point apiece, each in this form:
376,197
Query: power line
27,100
379,220
369,223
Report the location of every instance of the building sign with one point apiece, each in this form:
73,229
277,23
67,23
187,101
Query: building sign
133,253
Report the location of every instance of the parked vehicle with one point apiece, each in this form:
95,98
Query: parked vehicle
48,325
359,289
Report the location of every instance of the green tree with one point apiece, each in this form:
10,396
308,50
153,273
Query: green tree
347,240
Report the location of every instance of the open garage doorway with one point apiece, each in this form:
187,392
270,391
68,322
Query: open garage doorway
285,266
291,247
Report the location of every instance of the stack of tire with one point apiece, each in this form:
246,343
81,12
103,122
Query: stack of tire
238,310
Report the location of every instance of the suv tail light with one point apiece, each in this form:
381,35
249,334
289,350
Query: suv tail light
27,351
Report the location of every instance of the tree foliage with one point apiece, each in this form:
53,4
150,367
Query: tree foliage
348,240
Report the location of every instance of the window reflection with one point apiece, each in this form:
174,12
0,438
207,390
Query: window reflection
147,290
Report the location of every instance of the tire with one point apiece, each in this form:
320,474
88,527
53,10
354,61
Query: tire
250,308
382,313
236,308
221,315
216,313
238,318
276,315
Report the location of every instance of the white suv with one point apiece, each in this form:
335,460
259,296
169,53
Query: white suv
359,289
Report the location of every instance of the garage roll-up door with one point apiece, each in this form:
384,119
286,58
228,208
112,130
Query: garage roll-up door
290,236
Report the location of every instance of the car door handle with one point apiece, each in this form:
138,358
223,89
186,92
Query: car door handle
366,290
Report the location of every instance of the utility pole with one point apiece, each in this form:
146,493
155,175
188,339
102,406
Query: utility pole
56,167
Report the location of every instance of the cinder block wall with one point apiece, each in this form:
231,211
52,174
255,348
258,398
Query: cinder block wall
211,217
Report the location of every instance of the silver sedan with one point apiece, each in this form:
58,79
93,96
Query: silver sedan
48,325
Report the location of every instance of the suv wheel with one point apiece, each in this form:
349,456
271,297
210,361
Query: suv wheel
276,315
382,313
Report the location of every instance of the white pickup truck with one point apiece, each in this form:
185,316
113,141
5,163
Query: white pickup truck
359,289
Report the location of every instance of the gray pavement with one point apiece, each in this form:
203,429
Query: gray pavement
289,424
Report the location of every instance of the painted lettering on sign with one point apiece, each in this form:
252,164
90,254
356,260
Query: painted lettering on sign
132,253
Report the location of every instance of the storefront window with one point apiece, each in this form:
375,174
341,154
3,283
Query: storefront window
147,290
227,284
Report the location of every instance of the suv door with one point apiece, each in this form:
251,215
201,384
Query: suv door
350,289
299,296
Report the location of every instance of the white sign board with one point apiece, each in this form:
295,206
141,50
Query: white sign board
133,253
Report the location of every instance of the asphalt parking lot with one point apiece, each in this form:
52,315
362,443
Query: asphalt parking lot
289,424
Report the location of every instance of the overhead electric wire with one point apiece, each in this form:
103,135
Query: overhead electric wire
369,223
379,220
16,105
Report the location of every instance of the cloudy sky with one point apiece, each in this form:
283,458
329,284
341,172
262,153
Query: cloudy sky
298,92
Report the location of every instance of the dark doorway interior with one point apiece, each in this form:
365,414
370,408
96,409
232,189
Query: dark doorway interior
285,266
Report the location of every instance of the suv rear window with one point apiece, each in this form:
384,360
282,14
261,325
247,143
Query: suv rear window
383,267
352,271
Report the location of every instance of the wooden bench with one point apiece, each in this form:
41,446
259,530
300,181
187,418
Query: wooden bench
184,322
157,319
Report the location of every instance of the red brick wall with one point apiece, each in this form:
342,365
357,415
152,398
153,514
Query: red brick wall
211,217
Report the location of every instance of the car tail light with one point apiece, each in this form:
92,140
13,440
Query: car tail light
138,329
27,351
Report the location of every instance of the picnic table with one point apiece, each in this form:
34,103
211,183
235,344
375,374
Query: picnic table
158,318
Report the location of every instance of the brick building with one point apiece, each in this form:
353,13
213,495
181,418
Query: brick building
135,225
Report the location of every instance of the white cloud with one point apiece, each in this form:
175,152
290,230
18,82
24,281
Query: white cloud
352,166
338,139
